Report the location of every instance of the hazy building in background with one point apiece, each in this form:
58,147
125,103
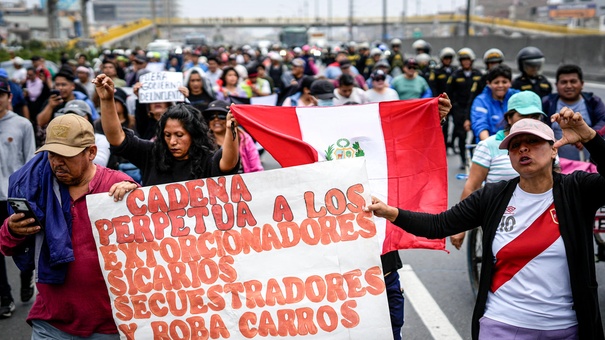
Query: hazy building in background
109,12
515,9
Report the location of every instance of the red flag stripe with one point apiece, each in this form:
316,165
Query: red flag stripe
277,130
417,174
532,242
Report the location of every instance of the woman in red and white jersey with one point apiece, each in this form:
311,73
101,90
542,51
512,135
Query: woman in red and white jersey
538,275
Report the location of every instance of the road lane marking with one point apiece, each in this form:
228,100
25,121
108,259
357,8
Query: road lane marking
431,315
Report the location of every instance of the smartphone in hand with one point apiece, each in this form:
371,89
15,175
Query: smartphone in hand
20,205
55,92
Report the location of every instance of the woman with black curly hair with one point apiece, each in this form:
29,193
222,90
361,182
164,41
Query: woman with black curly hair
183,148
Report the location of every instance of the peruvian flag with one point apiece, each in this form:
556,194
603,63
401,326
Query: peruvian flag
401,141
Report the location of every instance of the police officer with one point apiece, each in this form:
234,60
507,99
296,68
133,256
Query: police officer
353,53
364,53
375,56
530,61
396,59
459,90
445,69
442,74
491,58
421,46
425,69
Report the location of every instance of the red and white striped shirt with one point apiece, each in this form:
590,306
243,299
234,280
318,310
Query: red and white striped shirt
530,284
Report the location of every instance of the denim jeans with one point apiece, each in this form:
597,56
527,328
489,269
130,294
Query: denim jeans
396,302
42,330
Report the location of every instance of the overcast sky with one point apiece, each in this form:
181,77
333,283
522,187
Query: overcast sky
300,8
289,8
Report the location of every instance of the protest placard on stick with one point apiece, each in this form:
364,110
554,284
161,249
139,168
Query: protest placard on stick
280,253
161,87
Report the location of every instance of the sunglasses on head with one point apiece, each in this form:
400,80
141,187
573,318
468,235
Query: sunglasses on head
209,116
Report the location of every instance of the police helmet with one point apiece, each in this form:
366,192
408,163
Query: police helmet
396,41
423,58
530,56
447,52
375,51
493,55
421,45
466,53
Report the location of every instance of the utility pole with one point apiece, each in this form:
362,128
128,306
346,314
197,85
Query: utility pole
154,18
350,20
329,20
168,10
84,14
467,23
384,21
403,19
53,19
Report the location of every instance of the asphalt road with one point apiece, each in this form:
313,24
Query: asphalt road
439,300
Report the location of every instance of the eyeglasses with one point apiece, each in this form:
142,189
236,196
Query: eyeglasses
380,79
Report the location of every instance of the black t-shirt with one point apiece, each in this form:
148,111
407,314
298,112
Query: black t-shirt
200,101
390,262
140,153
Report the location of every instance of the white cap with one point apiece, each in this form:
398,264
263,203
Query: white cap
18,60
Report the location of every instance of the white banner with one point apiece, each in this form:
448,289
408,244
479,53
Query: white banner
270,100
271,254
161,87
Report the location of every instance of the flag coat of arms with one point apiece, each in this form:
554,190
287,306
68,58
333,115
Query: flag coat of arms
401,141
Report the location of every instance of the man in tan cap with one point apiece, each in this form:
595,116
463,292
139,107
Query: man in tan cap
72,299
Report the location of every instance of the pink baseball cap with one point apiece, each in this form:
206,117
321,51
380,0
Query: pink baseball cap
529,126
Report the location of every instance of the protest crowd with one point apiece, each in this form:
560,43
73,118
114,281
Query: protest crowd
130,118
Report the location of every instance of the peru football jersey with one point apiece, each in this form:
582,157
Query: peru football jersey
530,283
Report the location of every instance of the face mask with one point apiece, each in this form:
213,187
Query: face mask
325,102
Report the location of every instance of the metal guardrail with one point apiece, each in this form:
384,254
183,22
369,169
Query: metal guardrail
344,21
115,32
535,26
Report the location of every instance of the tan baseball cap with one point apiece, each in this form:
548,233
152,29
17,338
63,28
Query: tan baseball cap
531,127
68,135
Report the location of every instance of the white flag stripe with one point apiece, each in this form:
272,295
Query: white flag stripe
322,127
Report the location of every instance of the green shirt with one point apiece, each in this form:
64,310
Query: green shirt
409,88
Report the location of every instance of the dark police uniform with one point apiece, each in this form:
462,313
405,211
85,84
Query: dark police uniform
459,90
540,85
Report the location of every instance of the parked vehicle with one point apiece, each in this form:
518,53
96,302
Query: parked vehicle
10,69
